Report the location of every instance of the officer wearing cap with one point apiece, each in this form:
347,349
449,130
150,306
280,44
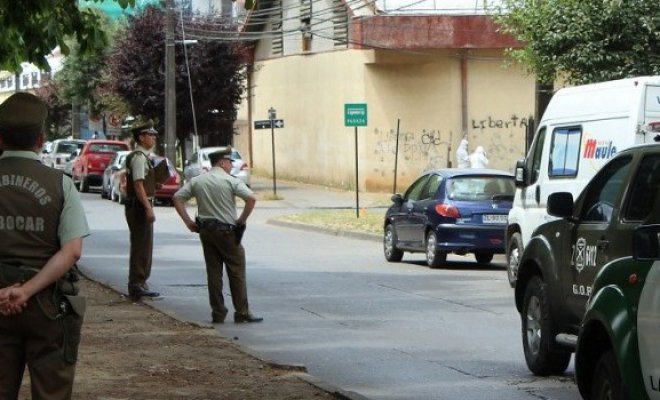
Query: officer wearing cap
139,210
42,225
220,232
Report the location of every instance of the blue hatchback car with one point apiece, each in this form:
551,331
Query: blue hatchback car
450,211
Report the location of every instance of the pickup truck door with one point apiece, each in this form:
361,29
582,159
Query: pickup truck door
595,235
648,320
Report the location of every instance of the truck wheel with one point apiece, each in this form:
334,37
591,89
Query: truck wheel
483,258
513,253
84,184
434,258
537,332
606,383
392,254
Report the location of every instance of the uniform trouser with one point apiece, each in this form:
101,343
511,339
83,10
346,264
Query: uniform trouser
47,345
220,248
142,242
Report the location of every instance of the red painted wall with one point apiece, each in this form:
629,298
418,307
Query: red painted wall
430,32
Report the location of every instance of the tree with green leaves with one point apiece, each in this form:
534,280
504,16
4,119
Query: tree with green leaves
212,72
31,29
584,41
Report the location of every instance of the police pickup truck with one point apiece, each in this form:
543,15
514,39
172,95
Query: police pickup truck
617,355
558,266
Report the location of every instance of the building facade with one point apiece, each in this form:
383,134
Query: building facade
428,80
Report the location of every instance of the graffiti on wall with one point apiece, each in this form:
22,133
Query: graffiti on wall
422,150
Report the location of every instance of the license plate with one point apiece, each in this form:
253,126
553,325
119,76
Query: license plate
494,219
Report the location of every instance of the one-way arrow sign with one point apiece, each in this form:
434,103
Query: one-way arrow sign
265,124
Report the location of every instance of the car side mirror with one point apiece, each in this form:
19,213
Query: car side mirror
646,242
397,199
560,204
521,173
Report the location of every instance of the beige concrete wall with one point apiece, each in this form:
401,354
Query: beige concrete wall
423,91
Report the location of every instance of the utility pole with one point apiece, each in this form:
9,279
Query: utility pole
170,90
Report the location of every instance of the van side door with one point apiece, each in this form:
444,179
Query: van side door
530,194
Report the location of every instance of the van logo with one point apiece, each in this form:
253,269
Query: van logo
599,149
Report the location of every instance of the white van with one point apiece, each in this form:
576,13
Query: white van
582,128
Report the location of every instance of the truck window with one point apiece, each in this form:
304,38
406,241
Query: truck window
564,152
644,189
537,152
601,194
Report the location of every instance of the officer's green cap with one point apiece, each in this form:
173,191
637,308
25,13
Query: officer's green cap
22,112
225,153
144,127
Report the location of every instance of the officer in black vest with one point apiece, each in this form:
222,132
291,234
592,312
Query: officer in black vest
42,225
139,210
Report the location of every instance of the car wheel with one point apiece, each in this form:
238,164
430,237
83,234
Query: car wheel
434,258
606,383
104,193
513,253
483,258
392,254
84,185
537,332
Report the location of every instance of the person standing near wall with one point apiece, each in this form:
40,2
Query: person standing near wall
220,232
42,226
139,211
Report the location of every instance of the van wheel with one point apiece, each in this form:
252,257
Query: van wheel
513,253
392,253
434,258
606,383
537,332
483,258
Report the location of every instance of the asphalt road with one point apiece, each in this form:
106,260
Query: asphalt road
382,330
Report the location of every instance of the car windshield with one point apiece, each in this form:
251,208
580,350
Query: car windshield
67,147
481,188
106,148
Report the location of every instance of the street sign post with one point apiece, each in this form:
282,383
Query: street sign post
266,124
355,114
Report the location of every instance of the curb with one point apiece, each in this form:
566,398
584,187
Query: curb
329,231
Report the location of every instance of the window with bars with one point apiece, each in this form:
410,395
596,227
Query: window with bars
340,24
276,27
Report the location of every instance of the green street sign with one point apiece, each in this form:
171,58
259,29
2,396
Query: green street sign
355,114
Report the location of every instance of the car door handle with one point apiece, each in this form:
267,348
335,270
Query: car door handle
602,244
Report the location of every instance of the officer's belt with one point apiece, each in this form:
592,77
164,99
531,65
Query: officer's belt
11,274
214,224
135,202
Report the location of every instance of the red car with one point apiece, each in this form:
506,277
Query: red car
94,157
164,191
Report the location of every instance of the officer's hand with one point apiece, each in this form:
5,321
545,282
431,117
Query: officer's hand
151,217
192,227
13,300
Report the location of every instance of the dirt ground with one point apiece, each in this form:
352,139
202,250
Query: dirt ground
131,351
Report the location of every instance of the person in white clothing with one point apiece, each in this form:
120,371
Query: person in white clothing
478,159
462,155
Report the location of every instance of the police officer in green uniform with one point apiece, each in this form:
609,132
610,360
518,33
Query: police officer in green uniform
220,232
42,225
139,211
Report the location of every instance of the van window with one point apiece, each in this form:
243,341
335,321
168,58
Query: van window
564,152
537,152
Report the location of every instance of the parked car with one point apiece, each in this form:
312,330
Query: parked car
60,151
617,354
164,191
88,168
199,163
110,171
450,211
